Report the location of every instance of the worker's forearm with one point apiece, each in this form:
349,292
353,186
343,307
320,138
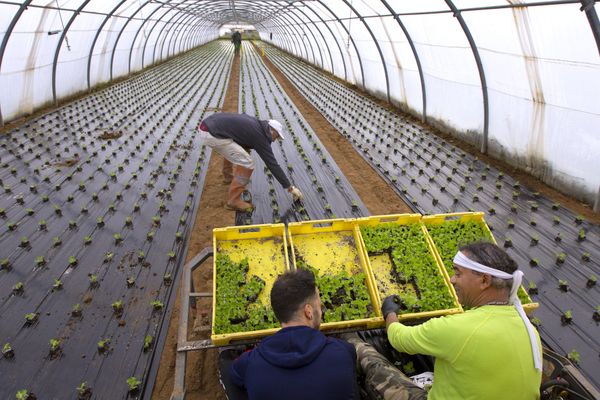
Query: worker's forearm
390,319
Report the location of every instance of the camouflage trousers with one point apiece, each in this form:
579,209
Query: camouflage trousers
383,381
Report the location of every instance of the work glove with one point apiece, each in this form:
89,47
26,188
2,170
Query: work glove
391,304
296,193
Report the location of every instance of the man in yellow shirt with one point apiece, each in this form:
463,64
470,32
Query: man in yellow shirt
490,352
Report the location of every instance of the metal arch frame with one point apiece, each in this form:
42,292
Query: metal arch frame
415,54
181,16
486,112
592,16
297,29
296,41
112,55
148,38
362,70
7,35
89,63
142,26
215,7
334,39
191,36
176,34
303,30
179,22
362,19
292,10
59,46
158,39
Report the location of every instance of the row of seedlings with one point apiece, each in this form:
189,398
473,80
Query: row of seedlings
301,155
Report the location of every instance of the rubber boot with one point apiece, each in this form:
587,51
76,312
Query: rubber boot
241,177
227,171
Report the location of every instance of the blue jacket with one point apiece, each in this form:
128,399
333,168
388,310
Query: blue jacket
300,363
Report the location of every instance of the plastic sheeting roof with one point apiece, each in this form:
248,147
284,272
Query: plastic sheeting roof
518,76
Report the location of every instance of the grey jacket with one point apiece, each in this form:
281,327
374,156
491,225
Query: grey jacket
250,133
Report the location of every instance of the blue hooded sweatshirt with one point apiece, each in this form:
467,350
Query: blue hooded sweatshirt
298,363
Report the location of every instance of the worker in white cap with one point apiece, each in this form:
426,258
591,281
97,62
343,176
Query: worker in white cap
491,351
233,136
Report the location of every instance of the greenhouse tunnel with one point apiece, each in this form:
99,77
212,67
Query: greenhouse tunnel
445,106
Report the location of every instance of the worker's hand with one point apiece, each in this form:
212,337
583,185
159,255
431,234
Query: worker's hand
296,193
391,304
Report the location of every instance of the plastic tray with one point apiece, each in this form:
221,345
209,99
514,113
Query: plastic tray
378,263
439,219
265,246
331,246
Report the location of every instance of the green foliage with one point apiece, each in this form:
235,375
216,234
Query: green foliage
133,383
237,308
412,263
574,356
344,297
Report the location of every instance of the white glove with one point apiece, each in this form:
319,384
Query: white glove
296,193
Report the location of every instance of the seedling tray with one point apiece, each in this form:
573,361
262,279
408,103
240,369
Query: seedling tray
331,248
265,249
445,251
403,262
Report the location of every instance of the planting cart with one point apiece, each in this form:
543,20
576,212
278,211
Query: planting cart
339,252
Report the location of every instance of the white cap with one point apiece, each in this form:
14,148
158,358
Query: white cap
277,126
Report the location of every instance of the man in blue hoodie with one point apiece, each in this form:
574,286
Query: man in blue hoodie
298,362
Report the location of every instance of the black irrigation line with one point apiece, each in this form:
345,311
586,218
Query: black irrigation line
437,177
302,156
148,180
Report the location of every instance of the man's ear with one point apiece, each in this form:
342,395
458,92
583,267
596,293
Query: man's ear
486,281
308,311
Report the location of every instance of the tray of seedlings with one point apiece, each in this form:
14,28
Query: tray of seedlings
247,260
331,250
447,232
403,262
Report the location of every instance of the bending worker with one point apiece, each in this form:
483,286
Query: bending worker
492,351
232,136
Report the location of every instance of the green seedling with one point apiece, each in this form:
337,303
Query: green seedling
133,384
18,288
118,238
591,282
574,356
7,351
57,284
72,261
117,306
40,261
87,240
93,280
108,256
54,345
561,257
157,305
103,345
171,255
56,241
581,236
76,310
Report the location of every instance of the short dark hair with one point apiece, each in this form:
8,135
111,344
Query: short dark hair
291,291
490,255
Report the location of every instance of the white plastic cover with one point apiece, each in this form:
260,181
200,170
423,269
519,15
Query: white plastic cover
540,62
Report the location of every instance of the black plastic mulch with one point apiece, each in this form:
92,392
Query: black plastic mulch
105,209
304,159
435,177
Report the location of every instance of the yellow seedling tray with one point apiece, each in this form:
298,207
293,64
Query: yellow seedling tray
265,247
478,217
332,246
380,266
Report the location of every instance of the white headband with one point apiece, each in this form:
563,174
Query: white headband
517,276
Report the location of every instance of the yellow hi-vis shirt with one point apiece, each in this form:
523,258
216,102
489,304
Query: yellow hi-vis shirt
482,354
